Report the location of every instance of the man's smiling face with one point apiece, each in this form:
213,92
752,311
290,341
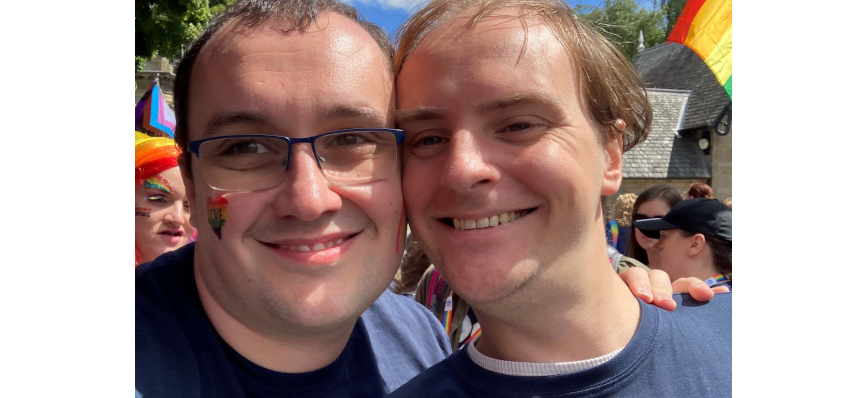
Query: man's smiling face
503,170
307,251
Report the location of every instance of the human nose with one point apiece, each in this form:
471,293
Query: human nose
176,213
467,166
305,193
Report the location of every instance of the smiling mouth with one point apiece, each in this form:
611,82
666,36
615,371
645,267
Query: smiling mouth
314,247
486,222
171,233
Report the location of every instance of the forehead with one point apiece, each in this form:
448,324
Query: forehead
293,75
453,61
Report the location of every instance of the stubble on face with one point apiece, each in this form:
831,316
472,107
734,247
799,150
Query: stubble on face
557,173
304,82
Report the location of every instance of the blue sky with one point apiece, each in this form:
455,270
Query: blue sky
391,13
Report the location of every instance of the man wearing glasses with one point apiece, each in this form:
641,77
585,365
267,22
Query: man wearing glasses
294,185
291,167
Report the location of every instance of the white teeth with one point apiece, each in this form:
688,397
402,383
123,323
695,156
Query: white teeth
487,222
316,247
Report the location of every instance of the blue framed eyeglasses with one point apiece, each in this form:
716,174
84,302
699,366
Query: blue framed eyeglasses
256,162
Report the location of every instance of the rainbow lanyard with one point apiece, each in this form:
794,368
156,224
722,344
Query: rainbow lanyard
716,279
448,314
614,231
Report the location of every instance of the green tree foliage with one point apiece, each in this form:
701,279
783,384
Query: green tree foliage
620,21
165,26
671,9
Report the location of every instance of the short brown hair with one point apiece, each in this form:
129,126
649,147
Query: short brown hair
298,15
610,84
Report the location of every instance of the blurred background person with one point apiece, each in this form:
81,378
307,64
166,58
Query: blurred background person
654,202
619,225
699,190
162,213
728,202
694,240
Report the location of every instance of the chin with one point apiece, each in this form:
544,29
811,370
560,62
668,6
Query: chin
488,281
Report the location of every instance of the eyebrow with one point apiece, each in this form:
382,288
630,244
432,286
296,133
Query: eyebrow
225,119
362,111
432,113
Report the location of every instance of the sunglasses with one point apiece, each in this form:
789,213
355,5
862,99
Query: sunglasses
639,216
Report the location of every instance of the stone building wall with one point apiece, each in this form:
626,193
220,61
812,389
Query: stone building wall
721,165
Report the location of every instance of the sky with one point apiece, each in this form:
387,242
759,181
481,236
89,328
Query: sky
391,13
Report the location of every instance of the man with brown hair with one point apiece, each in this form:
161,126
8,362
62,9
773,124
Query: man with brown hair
516,117
290,162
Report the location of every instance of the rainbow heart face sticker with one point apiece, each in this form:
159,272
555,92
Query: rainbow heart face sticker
217,214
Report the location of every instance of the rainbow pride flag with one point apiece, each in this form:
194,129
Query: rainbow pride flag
705,26
153,115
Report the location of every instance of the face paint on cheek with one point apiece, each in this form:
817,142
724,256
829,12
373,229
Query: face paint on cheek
143,211
401,232
660,246
217,214
158,182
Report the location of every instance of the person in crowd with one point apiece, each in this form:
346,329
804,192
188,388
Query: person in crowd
694,240
699,190
728,202
515,118
653,202
620,224
162,213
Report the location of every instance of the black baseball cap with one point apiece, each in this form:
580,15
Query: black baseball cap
706,216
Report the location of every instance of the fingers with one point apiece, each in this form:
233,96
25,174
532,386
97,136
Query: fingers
660,285
696,288
638,282
720,289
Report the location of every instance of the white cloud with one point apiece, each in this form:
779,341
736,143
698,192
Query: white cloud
408,5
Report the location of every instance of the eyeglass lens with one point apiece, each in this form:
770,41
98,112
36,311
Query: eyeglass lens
256,163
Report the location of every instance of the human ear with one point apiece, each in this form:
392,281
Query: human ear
696,244
612,177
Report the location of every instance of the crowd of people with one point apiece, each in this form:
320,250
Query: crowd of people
306,143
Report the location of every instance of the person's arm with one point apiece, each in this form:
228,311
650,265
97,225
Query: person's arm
655,287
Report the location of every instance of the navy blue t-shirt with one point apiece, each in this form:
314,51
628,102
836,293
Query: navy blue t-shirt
685,353
179,354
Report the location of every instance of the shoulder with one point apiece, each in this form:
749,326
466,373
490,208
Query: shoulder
166,305
697,330
403,316
440,380
405,338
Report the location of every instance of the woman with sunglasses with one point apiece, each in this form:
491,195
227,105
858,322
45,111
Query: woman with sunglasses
654,202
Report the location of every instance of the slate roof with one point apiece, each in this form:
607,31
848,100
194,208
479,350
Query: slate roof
664,154
677,67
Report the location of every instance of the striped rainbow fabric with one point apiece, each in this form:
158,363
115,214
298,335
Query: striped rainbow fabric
706,27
